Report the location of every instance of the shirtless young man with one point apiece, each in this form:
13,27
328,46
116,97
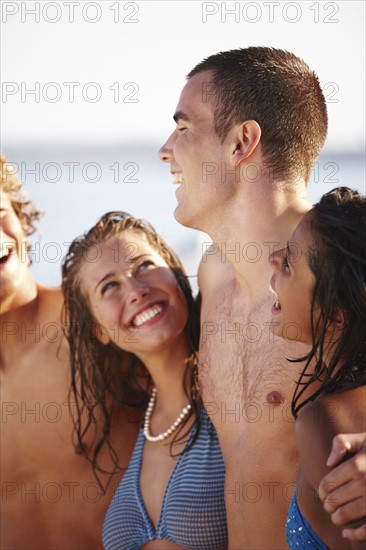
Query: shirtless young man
250,126
49,495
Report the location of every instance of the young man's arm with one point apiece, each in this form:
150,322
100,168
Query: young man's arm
348,482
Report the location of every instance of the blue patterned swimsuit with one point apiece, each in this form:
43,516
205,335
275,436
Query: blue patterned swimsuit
299,533
193,509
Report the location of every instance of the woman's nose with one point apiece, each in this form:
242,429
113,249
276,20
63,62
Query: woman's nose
274,259
136,290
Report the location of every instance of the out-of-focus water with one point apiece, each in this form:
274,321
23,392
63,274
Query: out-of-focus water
75,186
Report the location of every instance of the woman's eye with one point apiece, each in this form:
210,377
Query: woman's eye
108,286
181,129
285,263
144,265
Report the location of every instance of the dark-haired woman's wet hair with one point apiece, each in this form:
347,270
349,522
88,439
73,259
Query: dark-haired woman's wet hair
338,261
105,377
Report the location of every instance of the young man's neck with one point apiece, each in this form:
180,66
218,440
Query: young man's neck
259,222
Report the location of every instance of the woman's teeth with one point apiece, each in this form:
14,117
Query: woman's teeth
146,315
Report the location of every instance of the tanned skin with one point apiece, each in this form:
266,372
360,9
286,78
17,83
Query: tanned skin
50,497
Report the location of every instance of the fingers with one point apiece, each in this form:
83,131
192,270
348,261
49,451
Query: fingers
343,443
353,469
358,534
351,492
356,509
343,489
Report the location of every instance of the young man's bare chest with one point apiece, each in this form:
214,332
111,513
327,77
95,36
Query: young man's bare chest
243,367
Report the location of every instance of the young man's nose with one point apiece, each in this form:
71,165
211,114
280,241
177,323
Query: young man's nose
166,151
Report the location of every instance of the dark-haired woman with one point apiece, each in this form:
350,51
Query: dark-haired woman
319,280
133,330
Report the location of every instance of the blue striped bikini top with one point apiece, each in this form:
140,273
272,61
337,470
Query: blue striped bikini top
299,533
193,509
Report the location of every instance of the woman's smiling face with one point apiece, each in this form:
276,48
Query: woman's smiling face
293,282
133,295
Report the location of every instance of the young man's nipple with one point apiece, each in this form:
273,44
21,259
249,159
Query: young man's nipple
274,398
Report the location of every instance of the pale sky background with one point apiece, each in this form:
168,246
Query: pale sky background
155,52
144,50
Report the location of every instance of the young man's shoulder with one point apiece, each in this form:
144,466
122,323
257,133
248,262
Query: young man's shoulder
50,295
50,305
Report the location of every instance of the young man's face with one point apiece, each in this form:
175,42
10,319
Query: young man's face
13,262
199,160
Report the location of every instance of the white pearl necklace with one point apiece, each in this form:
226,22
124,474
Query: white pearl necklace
169,431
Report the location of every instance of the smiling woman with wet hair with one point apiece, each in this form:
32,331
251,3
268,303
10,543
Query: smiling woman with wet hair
133,329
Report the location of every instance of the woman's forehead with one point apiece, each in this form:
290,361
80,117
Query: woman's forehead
128,245
302,232
118,251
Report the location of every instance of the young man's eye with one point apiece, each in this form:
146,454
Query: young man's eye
285,263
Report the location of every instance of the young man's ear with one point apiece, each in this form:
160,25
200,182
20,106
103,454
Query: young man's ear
247,136
101,334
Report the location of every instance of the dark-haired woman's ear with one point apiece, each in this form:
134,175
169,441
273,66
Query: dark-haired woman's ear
338,319
335,325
